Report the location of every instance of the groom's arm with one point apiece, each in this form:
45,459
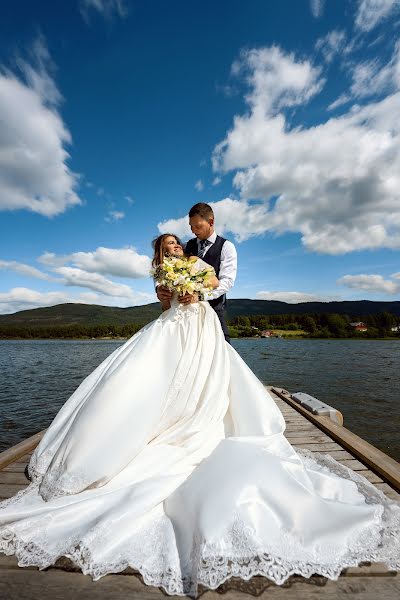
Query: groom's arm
227,272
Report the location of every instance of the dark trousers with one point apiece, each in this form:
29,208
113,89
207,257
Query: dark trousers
220,310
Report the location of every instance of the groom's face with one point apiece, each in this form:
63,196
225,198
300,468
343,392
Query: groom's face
201,227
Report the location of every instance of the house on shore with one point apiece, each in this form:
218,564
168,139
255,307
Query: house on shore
359,326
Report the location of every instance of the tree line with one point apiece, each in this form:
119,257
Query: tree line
317,324
72,331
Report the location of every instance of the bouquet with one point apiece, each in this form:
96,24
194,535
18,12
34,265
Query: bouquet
180,274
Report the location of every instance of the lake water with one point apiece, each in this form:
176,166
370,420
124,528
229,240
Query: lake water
361,378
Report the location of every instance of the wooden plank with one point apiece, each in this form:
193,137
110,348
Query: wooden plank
294,418
326,447
291,423
388,490
310,436
27,584
353,464
22,459
371,476
10,489
15,467
302,427
318,440
305,431
9,477
16,452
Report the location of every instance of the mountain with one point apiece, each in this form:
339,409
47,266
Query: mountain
354,308
87,314
93,314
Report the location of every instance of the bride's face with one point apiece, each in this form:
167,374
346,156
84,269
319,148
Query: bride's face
171,246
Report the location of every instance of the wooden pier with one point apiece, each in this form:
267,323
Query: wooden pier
64,581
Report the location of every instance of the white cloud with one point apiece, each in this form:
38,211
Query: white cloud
179,227
336,183
24,269
371,77
53,260
343,99
115,216
216,180
117,262
276,80
199,185
292,297
72,276
137,299
317,8
106,8
371,283
331,44
370,12
130,200
21,298
34,174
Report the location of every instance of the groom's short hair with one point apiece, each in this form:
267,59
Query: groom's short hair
203,210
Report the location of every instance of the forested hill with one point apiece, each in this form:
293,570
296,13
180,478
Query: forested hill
83,314
353,308
93,314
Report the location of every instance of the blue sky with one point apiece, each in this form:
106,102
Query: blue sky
117,116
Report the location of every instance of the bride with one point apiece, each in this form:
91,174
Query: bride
170,457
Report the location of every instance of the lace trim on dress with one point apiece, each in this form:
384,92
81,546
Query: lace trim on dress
49,482
152,549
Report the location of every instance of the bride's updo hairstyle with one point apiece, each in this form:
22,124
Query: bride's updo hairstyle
158,244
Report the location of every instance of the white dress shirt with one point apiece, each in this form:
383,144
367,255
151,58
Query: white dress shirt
227,269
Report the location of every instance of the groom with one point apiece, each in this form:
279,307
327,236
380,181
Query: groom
214,250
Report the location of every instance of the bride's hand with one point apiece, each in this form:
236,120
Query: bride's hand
188,298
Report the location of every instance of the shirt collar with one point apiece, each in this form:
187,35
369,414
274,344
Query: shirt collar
211,239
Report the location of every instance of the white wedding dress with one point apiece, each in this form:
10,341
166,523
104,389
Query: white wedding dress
170,458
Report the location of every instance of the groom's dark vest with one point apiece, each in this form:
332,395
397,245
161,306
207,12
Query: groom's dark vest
213,258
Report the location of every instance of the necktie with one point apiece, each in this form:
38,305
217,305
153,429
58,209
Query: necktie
203,246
